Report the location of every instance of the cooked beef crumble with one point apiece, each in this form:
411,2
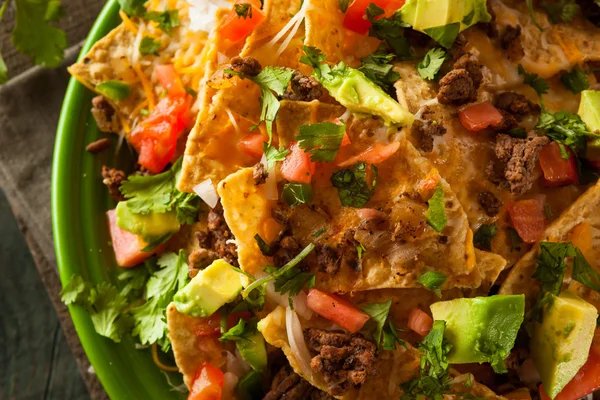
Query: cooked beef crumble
287,248
98,146
328,259
460,85
520,157
425,130
104,114
303,88
490,203
259,174
511,43
245,65
218,239
288,385
344,360
200,259
113,178
516,104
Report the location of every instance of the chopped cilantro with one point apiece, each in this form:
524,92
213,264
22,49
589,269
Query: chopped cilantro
313,57
237,332
297,193
191,92
114,90
135,280
560,10
273,155
243,10
264,247
167,20
429,67
551,265
548,212
149,46
270,79
432,280
343,4
484,235
436,212
538,84
292,281
319,232
360,250
133,7
378,68
322,140
390,30
390,337
519,133
444,35
515,239
75,291
584,273
567,129
355,184
379,314
576,80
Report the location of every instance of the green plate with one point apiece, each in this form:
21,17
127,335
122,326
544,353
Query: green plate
81,238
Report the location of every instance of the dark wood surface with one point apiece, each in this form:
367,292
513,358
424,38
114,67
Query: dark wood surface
35,359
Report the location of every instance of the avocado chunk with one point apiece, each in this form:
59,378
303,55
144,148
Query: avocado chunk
481,329
589,109
151,226
444,19
560,344
359,94
252,349
213,287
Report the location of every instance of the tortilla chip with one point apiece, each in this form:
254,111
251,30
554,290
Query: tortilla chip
116,57
585,209
466,384
189,349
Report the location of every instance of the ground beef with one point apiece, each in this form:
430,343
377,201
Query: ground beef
98,146
516,104
471,64
508,122
459,46
490,28
511,43
344,360
259,174
425,130
104,114
287,249
113,178
200,259
520,157
245,65
457,87
328,259
490,204
303,88
288,385
219,238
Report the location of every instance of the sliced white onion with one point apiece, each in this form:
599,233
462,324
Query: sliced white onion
292,33
424,106
233,120
203,13
300,306
271,191
299,301
229,382
206,191
399,254
297,343
221,58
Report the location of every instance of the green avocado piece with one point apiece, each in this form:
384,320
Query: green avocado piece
253,350
149,226
432,16
213,287
589,111
359,94
560,344
481,329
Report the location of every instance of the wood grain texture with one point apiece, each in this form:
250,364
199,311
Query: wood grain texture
35,361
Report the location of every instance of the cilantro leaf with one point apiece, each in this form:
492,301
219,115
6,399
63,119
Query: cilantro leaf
75,291
378,68
319,232
529,4
322,140
584,273
35,37
567,129
434,351
235,333
484,235
264,247
171,275
108,306
167,20
538,84
436,212
273,155
379,314
292,281
432,280
429,67
270,79
135,280
576,80
243,10
551,265
186,206
149,46
354,185
444,35
134,8
390,30
312,57
343,4
390,337
295,194
560,10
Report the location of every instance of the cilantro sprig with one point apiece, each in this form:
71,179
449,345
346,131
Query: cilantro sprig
390,30
149,46
355,184
378,68
484,235
432,280
322,140
538,84
377,326
429,67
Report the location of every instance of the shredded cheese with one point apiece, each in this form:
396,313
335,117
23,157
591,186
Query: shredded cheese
293,25
146,85
127,22
83,81
232,120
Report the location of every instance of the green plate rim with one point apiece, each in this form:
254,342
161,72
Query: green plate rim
78,203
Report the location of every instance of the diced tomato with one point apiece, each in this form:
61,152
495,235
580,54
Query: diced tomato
297,166
336,310
557,170
127,246
528,219
169,80
155,138
356,15
375,154
235,27
585,382
345,140
480,116
371,213
208,383
419,321
252,144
